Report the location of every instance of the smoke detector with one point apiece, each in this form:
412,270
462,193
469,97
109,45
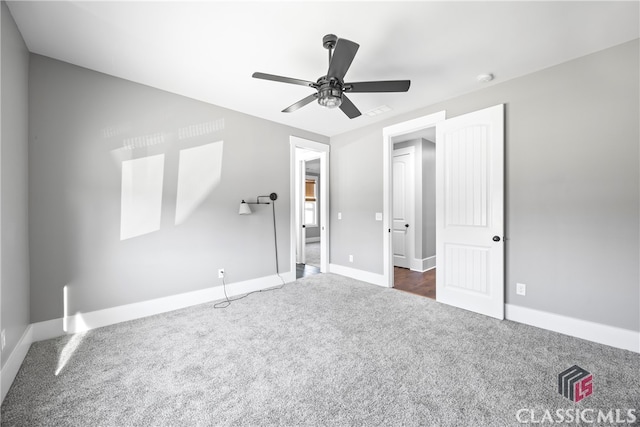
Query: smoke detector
483,78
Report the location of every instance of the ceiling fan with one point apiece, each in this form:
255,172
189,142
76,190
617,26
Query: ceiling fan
331,88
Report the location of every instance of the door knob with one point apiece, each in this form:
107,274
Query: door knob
496,238
406,225
304,226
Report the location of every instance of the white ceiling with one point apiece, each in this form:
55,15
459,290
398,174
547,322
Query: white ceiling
208,50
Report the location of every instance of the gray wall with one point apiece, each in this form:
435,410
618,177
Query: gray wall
14,261
82,124
572,186
428,198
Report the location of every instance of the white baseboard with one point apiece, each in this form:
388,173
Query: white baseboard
603,334
423,265
429,263
365,276
109,316
12,366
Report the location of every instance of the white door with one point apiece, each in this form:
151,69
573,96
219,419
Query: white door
301,233
403,206
470,211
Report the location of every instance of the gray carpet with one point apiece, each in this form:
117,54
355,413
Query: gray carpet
325,350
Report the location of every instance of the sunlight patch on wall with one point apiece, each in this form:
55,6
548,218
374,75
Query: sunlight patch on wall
200,169
200,129
144,141
65,308
141,196
115,130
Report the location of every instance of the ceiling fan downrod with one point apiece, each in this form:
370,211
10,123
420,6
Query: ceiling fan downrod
329,43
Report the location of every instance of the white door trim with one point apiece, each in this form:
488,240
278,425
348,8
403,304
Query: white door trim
323,151
388,133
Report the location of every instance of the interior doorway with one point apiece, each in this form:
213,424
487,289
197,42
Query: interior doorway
414,214
419,276
308,257
309,207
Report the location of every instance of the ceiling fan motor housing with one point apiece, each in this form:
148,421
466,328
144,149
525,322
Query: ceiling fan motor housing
329,92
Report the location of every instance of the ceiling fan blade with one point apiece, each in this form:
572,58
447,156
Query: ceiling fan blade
342,58
348,108
380,86
281,79
301,103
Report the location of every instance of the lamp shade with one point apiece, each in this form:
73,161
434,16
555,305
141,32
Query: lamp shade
244,208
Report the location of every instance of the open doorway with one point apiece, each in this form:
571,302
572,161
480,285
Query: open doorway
309,207
308,257
414,213
409,205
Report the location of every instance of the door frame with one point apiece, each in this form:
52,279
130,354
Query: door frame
323,150
388,134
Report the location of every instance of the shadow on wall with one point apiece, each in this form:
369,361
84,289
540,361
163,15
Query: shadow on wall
142,161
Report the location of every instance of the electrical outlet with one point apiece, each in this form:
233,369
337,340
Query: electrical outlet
350,258
339,215
521,289
221,273
3,340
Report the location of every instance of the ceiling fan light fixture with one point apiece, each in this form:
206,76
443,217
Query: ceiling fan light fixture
330,87
330,97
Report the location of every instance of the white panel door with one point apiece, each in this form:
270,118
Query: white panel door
403,206
470,211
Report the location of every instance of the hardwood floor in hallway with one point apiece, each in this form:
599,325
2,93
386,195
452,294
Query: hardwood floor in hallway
415,282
